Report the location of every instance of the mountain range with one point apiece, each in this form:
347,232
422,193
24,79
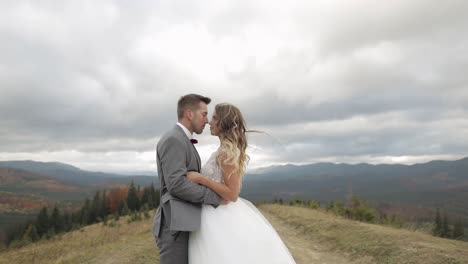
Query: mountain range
414,190
76,176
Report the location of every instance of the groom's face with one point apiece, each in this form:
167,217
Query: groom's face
200,118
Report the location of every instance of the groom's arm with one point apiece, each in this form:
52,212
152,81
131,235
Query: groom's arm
173,160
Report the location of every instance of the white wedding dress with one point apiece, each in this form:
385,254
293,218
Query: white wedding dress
236,233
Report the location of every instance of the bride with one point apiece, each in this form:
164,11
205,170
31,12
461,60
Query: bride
236,232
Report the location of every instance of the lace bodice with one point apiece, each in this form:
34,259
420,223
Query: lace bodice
212,170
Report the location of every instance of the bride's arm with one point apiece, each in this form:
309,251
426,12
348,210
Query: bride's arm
229,190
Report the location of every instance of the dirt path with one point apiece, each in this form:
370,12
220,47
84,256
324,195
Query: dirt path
303,250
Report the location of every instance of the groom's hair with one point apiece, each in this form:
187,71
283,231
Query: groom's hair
191,101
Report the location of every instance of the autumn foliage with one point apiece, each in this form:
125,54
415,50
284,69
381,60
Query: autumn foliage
115,197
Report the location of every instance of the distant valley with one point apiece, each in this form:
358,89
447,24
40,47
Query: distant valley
412,191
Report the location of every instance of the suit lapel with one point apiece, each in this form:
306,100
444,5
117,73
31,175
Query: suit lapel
194,149
198,157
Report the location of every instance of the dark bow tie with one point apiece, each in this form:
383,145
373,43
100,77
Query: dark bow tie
194,141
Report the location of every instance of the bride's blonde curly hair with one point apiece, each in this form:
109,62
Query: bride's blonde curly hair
232,150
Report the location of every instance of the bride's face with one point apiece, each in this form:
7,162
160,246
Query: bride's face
214,125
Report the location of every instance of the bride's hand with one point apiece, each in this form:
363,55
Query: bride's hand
195,177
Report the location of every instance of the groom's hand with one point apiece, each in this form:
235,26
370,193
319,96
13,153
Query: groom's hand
224,202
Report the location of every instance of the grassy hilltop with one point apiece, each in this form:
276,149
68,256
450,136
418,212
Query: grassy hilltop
312,236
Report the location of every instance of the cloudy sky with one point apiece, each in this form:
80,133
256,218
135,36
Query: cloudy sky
95,83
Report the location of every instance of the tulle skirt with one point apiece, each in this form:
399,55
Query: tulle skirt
236,233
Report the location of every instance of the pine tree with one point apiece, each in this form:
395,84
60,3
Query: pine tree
459,229
156,196
150,201
42,222
383,218
56,220
121,207
31,234
84,213
145,197
67,221
125,209
437,230
95,208
132,198
445,226
75,219
139,205
105,210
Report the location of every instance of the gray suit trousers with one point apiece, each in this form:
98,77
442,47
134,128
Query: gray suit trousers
173,245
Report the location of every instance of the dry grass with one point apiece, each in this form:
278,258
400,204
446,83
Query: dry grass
122,243
368,243
312,236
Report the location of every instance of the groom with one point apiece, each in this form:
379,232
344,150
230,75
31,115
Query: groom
181,200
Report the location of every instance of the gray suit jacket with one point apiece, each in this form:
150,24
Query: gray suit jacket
181,199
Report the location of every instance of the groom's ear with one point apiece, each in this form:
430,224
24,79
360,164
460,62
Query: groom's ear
189,114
